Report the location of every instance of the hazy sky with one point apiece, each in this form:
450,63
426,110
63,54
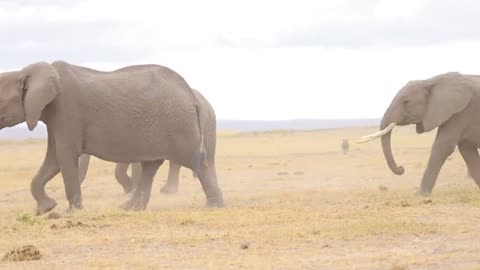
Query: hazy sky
257,59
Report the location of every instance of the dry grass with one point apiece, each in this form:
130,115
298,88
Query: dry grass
294,202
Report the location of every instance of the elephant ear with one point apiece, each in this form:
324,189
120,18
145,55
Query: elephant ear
447,94
41,84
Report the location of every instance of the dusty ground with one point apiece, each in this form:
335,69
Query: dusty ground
294,202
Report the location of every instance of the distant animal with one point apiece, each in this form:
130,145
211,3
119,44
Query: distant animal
144,113
449,102
129,183
345,146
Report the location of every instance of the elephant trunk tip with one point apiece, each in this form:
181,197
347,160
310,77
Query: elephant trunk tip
399,170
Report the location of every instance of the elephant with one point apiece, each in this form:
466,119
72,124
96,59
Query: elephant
141,113
449,102
171,186
345,146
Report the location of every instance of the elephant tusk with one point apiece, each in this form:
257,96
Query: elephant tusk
364,140
380,133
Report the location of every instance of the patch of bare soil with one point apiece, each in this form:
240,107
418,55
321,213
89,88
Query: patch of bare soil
24,253
382,188
70,224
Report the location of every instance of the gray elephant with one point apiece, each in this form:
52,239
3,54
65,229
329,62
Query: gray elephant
449,102
171,186
145,113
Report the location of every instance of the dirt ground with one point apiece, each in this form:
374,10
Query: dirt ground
294,201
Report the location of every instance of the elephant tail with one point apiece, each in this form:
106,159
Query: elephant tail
200,154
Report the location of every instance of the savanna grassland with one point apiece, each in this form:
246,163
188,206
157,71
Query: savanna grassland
294,201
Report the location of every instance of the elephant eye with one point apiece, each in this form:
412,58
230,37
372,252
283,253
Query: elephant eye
406,101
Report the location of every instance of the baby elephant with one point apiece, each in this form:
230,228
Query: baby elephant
345,146
129,183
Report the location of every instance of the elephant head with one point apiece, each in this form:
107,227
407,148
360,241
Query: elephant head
425,103
25,93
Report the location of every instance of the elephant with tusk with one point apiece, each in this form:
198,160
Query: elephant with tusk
449,102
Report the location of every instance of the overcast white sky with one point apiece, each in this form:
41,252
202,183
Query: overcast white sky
253,59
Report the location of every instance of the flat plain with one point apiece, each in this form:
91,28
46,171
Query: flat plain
294,201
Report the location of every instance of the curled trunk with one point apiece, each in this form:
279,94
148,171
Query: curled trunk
387,148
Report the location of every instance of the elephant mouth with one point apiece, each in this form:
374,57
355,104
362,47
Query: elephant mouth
7,122
378,134
419,128
4,122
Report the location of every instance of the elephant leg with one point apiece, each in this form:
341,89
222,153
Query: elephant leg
142,193
68,163
136,174
207,177
47,171
469,153
171,186
122,177
83,163
441,150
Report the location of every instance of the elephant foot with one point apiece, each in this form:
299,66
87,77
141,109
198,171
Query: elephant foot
45,206
169,189
134,205
423,193
130,194
129,190
71,209
211,203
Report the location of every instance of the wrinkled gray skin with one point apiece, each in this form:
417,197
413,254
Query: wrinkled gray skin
345,146
171,186
450,102
140,114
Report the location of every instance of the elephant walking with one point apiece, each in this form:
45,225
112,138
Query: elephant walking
449,102
129,183
144,113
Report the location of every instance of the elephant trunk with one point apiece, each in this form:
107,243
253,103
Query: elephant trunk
387,148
